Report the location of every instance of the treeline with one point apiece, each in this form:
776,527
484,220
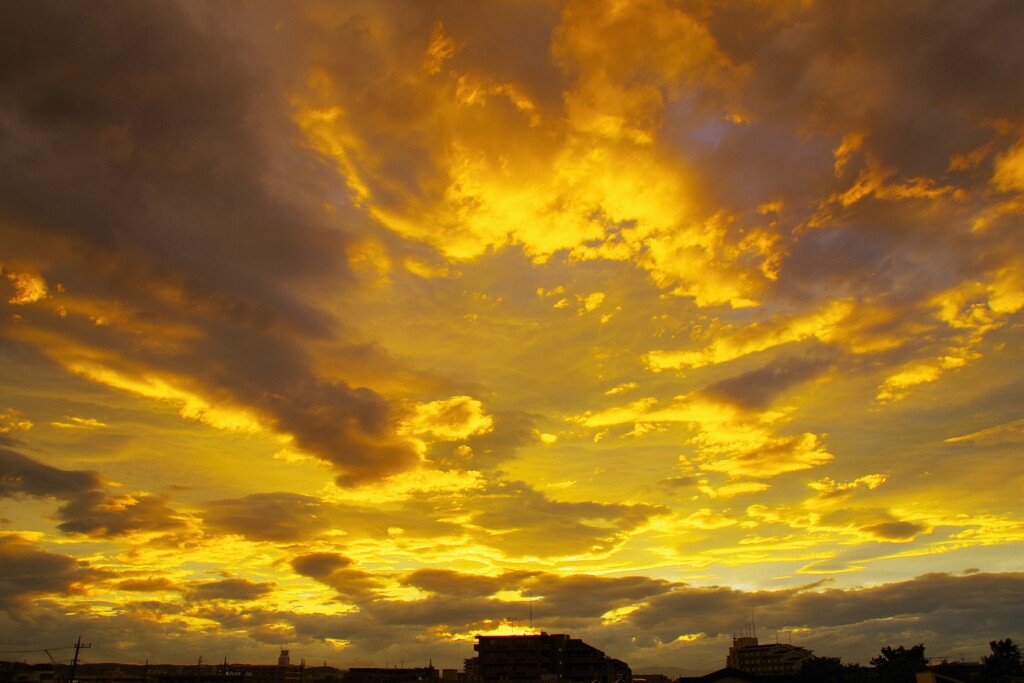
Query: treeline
901,665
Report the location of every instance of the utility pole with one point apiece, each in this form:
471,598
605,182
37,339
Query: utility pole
74,662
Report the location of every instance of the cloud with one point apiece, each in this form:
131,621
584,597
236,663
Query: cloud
713,610
757,337
519,521
78,423
447,582
336,571
21,474
31,572
757,389
84,123
729,439
570,599
12,419
582,597
148,585
28,287
1009,175
87,508
453,419
276,517
97,513
228,589
1010,432
894,531
495,438
572,121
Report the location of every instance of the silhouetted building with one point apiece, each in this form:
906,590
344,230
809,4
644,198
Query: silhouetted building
232,673
731,675
109,673
322,674
775,659
20,672
391,675
543,657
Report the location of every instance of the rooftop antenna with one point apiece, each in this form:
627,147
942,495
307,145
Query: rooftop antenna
753,628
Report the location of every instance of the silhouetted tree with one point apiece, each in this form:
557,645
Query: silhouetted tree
822,670
900,665
832,670
855,673
956,670
1004,662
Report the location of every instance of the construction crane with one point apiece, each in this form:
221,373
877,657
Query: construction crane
56,666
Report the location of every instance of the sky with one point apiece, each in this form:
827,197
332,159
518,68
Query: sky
360,328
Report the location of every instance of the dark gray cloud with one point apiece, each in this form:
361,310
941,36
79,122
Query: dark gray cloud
510,431
30,571
450,583
511,517
757,389
228,589
96,513
718,610
853,622
87,508
569,600
20,474
894,531
141,104
918,85
336,571
591,596
522,522
150,584
319,565
279,517
910,67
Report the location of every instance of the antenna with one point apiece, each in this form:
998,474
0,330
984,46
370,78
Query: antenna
753,628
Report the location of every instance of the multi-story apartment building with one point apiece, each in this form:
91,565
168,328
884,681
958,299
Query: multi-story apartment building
543,657
774,659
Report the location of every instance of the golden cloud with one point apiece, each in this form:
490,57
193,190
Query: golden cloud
453,419
783,329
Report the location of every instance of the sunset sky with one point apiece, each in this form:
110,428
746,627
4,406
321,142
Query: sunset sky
362,327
